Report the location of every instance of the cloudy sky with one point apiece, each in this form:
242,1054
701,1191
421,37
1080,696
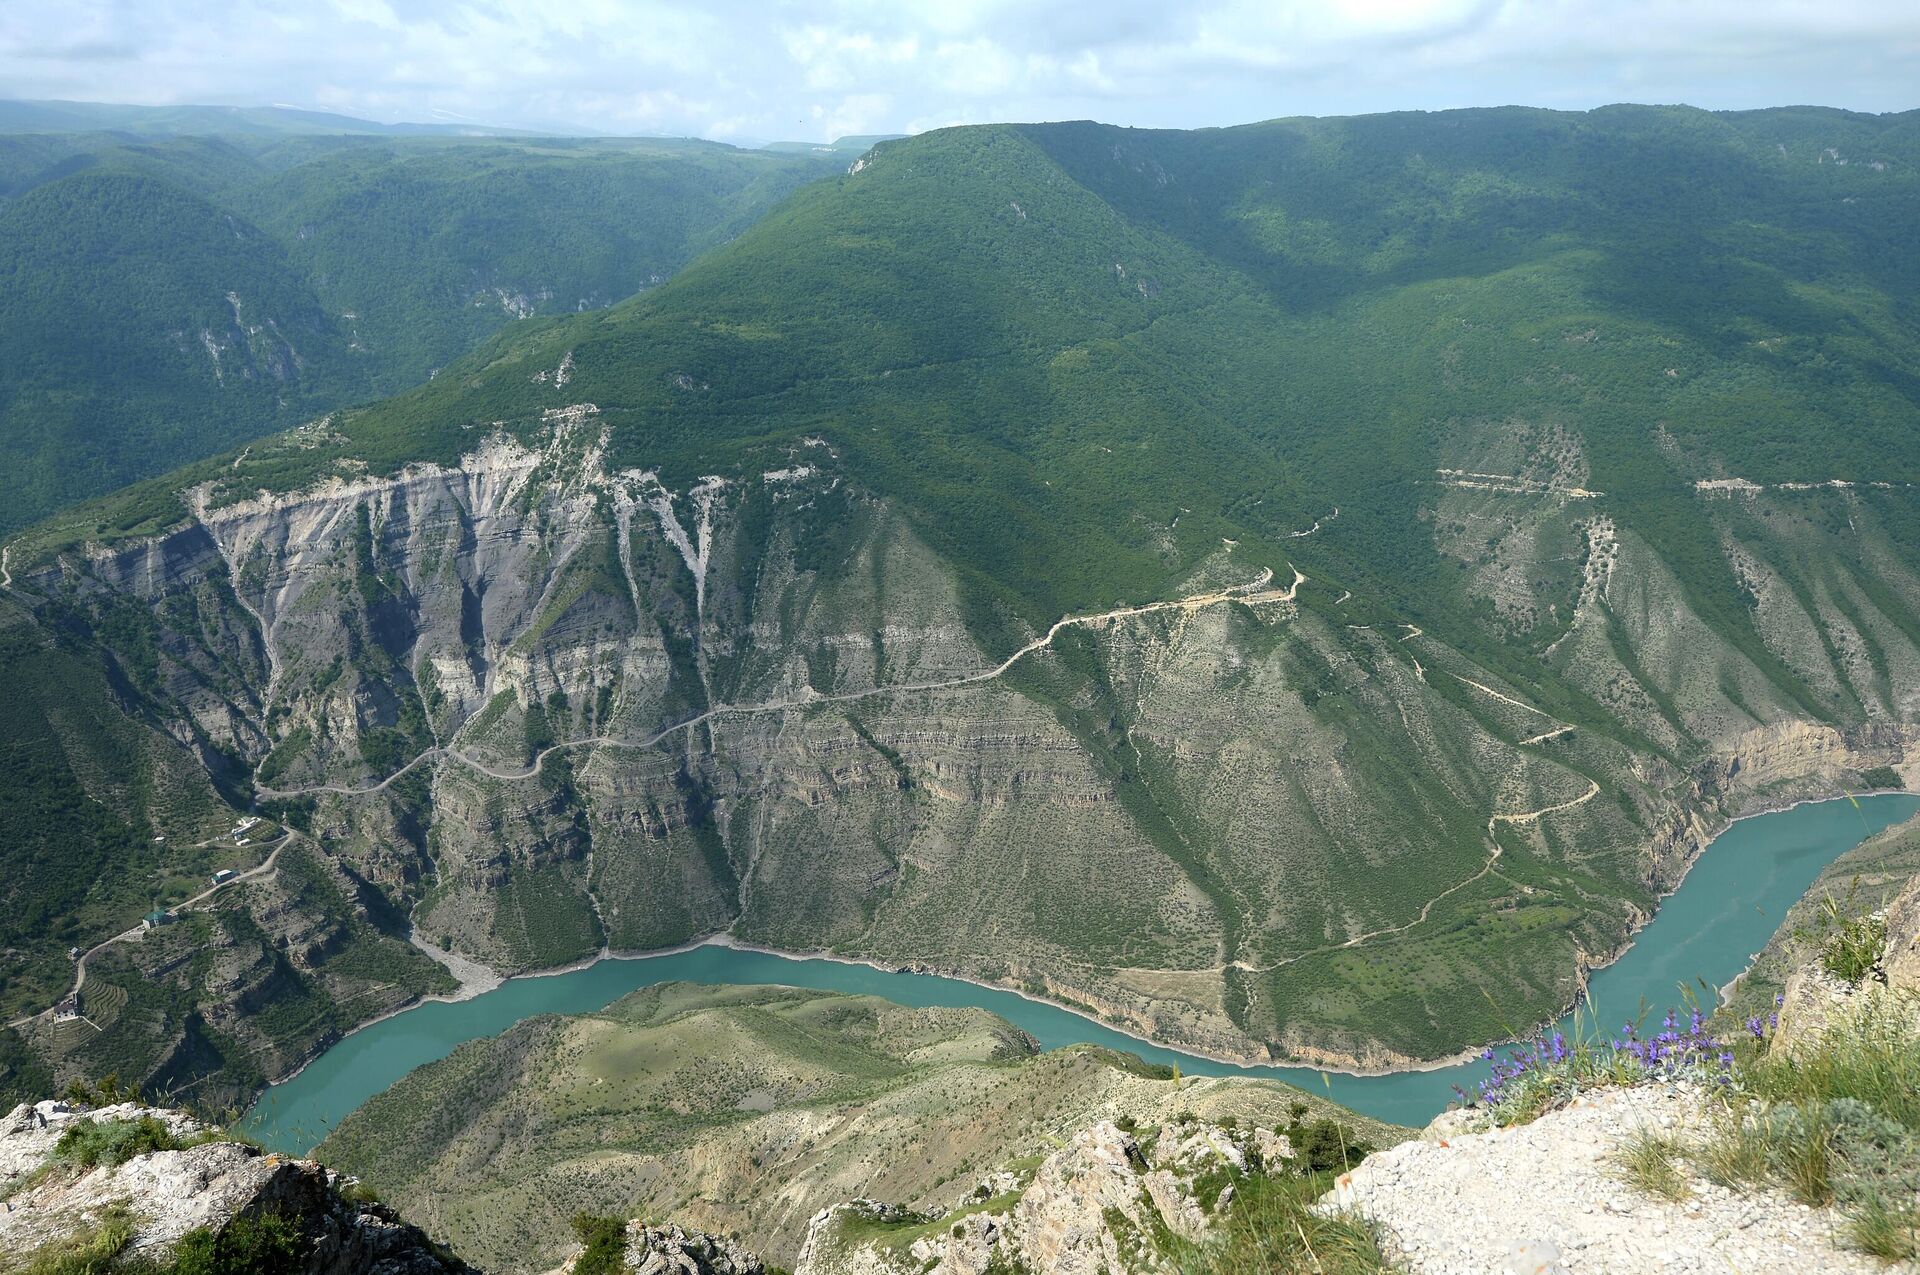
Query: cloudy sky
746,70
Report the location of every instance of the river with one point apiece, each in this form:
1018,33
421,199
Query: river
1724,912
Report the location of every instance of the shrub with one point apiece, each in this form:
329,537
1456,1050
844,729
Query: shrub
1800,1154
87,1143
1735,1153
1272,1227
605,1239
1882,777
1873,1058
1545,1071
1853,950
1850,942
94,1252
1652,1163
103,1092
267,1244
1885,1230
1326,1147
1878,1156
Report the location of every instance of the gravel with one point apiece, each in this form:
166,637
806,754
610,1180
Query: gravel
1545,1199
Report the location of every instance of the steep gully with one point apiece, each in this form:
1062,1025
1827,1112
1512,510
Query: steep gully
1252,593
694,551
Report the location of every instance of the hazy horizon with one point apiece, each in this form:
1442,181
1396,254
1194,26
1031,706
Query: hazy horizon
747,73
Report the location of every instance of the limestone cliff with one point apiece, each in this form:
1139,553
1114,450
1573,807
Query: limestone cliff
129,1184
530,709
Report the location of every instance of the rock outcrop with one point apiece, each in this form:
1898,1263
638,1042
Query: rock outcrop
1107,1201
1817,1001
674,1250
1901,961
194,1182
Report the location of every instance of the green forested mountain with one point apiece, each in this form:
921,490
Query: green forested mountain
168,298
143,324
430,249
1254,323
1303,590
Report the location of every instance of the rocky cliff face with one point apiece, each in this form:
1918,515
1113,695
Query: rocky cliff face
673,1250
1819,998
182,1186
1107,1201
545,710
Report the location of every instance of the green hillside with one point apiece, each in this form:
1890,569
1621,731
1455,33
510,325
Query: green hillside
433,248
745,1110
169,298
1590,436
1033,334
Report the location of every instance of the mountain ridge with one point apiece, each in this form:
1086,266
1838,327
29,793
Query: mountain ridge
1578,581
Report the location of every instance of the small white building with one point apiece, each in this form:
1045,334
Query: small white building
224,875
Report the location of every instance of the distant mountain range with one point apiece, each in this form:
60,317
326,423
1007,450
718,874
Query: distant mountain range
31,116
22,116
839,146
166,297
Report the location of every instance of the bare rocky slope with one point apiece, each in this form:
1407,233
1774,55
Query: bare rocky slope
547,710
1085,560
183,1189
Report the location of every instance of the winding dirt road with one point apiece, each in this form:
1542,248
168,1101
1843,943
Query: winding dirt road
133,935
1254,593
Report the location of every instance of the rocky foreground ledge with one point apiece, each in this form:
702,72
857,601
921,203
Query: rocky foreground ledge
1552,1198
138,1185
1544,1198
1107,1201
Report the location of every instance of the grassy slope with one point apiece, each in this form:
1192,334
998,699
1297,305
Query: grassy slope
738,1108
1033,334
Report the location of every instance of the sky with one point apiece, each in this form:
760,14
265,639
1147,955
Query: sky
744,71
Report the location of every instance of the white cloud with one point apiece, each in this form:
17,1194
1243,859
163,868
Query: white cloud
783,68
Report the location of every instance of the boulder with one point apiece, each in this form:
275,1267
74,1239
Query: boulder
201,1187
1102,1203
673,1250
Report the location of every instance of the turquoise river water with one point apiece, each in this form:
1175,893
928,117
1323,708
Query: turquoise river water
1724,912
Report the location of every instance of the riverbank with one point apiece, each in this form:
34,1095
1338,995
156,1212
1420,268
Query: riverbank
1733,901
1243,1061
483,980
1588,969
